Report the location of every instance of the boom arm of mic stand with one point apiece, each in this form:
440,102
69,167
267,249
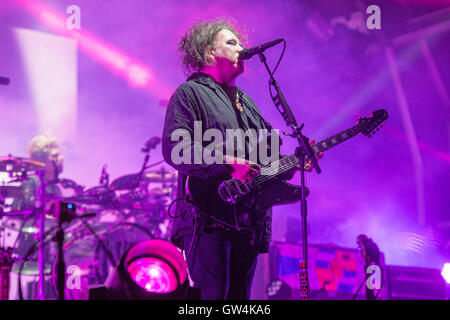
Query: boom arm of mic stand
304,150
290,119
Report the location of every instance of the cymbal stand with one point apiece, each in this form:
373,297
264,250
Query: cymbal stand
41,218
149,145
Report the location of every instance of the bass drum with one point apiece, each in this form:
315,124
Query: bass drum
88,259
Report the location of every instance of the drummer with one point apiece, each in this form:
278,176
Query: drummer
45,149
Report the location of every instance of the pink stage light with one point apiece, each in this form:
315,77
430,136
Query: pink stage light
154,269
138,76
446,272
153,275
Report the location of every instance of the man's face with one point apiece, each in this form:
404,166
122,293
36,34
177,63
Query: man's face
54,158
226,53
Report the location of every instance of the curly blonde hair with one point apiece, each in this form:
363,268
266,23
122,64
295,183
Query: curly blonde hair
40,146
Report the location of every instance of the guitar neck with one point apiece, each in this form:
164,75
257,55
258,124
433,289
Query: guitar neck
291,161
336,139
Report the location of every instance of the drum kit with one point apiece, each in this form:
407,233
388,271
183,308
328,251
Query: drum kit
108,219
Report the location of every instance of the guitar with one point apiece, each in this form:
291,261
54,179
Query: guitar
6,263
239,204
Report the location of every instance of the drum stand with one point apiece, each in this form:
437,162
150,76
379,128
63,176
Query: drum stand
41,218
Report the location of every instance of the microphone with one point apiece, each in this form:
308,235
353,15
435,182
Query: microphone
4,81
151,144
250,52
104,176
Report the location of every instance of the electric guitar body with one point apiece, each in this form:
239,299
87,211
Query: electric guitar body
251,207
237,203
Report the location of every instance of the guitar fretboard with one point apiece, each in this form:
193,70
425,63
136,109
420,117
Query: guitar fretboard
336,139
291,161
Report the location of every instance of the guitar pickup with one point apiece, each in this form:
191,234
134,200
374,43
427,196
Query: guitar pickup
225,193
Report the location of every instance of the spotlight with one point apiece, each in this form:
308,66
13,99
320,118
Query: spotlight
279,290
150,270
446,272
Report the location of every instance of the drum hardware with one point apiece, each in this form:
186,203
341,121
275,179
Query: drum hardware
6,262
69,184
116,212
10,191
161,176
127,182
131,181
41,253
49,236
104,176
17,166
149,145
64,212
38,244
21,167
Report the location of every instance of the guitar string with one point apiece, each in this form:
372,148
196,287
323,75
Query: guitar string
260,179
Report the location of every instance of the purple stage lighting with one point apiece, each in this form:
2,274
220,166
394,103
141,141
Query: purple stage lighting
153,275
149,270
446,272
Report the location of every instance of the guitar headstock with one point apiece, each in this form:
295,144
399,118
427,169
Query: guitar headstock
368,126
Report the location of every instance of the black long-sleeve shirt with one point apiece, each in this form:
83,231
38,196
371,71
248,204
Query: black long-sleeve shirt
203,99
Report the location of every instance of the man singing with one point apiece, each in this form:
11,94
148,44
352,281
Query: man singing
221,260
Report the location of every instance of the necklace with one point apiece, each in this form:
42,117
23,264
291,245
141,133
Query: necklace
238,104
230,92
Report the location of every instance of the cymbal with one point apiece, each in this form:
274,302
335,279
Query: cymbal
160,192
129,181
126,182
16,164
161,175
94,195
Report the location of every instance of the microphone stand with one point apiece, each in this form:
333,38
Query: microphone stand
60,265
63,213
303,151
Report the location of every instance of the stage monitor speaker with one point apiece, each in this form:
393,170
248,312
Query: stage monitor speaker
412,283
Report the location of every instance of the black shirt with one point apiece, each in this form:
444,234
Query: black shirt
203,99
